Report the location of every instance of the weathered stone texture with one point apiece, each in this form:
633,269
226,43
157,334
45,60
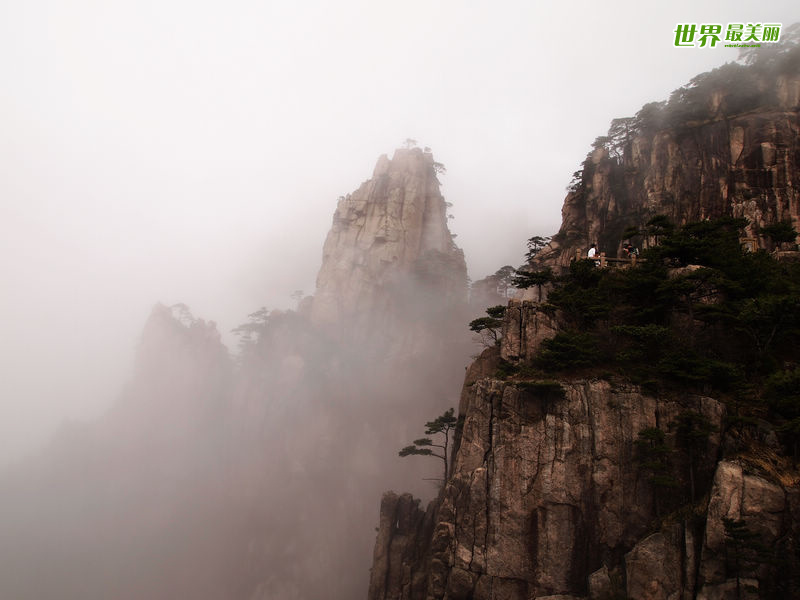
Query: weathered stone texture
544,491
399,548
525,327
737,495
389,244
654,569
744,166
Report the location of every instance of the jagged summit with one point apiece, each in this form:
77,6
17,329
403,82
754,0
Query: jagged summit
389,239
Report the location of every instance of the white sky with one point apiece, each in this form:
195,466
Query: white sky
181,151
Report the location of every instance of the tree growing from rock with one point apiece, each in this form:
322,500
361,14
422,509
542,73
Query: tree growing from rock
525,279
692,430
535,245
655,459
744,552
780,233
504,280
489,328
442,425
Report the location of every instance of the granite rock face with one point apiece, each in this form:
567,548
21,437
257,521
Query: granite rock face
737,495
525,327
544,493
389,253
397,550
746,165
546,500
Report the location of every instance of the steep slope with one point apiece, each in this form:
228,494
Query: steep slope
330,393
723,163
549,497
389,259
393,226
560,486
544,492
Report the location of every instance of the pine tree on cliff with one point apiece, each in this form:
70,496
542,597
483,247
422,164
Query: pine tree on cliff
525,279
444,425
655,460
692,432
744,553
489,328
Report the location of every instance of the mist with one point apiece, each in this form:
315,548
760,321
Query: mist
188,152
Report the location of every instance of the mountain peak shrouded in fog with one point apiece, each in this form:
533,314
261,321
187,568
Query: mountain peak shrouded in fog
389,242
251,478
182,369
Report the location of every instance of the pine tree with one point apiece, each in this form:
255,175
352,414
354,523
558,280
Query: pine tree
441,425
655,459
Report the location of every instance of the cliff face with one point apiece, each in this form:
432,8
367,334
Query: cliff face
330,393
548,497
544,493
548,500
744,165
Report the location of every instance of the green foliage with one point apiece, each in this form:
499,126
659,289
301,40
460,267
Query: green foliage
782,393
566,351
659,225
485,323
692,431
780,233
571,296
630,232
496,312
708,243
639,342
443,425
734,87
650,118
535,245
489,327
250,332
699,316
575,183
506,369
546,389
503,279
654,458
745,552
525,279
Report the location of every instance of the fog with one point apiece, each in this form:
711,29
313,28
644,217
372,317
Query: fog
193,152
176,151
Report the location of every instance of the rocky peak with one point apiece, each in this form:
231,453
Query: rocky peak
182,368
389,239
739,163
